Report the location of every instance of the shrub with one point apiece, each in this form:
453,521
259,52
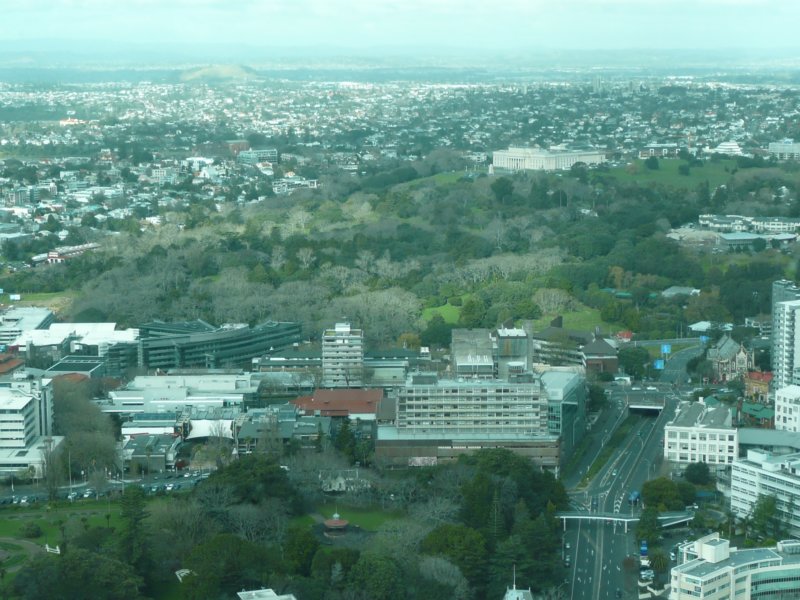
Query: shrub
30,530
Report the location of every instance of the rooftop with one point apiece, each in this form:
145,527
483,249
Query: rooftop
341,402
697,414
752,436
702,568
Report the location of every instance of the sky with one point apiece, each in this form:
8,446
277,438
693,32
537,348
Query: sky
404,25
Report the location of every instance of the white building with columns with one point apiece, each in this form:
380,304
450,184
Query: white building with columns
539,159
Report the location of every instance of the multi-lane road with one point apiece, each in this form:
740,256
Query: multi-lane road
595,551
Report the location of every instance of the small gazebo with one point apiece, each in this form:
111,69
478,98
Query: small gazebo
335,526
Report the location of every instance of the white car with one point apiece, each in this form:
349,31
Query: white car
651,388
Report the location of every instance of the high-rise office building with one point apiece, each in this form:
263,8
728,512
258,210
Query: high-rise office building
342,357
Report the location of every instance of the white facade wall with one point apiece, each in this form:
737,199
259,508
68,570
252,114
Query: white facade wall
787,408
785,149
718,572
713,446
475,407
342,357
763,473
537,159
785,342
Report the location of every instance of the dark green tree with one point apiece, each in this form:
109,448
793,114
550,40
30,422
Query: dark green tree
502,188
648,527
299,549
133,541
634,360
463,546
376,577
698,473
765,518
473,312
78,575
226,564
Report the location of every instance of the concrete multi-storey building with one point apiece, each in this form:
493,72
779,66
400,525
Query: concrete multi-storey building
539,159
473,353
763,473
439,419
711,569
785,149
16,320
787,408
342,357
701,434
26,424
426,404
252,157
199,344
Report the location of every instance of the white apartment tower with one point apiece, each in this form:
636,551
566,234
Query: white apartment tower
342,357
785,343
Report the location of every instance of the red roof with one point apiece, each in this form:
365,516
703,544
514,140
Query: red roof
8,364
765,376
341,402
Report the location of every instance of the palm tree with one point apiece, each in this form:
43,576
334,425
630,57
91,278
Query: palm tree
659,561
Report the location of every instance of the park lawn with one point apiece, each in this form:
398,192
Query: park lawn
55,301
583,319
712,171
367,519
302,521
13,518
448,312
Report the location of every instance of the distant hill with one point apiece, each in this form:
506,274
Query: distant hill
216,73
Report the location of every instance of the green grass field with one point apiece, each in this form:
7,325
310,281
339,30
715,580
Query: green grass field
585,319
50,518
367,519
713,171
448,312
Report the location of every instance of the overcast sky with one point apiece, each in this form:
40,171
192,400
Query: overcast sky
488,25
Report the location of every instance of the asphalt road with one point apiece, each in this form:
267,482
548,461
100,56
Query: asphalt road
597,549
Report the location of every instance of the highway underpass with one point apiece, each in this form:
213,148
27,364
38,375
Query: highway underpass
647,405
666,519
